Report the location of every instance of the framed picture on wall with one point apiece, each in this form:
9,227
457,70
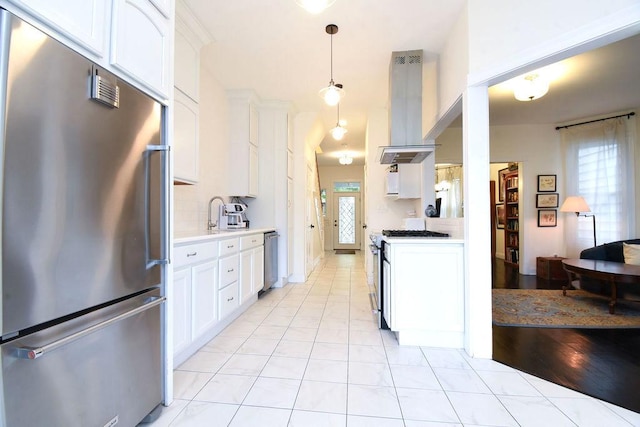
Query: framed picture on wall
500,218
501,189
546,183
547,218
547,200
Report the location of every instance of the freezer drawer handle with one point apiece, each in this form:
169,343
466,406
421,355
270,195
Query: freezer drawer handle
35,352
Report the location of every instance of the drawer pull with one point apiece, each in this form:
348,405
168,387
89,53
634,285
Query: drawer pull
230,247
192,254
229,299
230,270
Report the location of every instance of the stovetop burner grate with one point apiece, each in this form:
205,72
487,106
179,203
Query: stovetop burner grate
413,233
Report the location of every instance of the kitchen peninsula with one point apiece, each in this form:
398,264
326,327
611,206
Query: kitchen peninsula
423,288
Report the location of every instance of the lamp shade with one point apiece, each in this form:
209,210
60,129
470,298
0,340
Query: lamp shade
575,204
332,94
338,132
345,159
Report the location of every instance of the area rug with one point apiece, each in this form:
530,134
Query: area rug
345,252
543,308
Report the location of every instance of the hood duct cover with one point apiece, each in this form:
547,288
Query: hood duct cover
405,110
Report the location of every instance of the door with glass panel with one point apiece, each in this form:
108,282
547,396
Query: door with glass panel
346,220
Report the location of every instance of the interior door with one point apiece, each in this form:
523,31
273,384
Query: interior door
346,221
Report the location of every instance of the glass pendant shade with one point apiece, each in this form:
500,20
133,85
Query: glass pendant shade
315,6
345,160
338,132
530,87
332,94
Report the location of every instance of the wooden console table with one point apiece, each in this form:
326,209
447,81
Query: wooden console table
611,272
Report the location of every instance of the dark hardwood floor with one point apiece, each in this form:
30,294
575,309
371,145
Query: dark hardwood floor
603,363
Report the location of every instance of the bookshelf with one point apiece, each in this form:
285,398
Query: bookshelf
512,224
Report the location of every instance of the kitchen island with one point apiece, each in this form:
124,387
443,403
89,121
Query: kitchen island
423,288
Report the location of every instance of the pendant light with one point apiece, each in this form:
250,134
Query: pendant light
315,6
338,132
333,93
345,159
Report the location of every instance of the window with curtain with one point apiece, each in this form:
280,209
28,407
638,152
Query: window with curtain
449,190
599,166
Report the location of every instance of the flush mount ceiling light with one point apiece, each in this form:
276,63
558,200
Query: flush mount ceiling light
345,159
333,93
530,87
338,132
315,6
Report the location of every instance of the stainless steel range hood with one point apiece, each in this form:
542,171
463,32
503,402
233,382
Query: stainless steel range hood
405,110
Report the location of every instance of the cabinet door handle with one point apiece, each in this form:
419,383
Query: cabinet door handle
229,299
229,247
229,271
192,254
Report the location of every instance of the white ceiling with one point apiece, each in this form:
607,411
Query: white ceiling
283,53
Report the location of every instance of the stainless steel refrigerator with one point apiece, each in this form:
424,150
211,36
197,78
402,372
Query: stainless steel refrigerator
84,232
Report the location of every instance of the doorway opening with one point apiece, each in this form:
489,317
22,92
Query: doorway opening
346,215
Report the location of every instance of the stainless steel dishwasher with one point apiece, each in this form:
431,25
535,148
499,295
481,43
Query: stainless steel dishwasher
270,259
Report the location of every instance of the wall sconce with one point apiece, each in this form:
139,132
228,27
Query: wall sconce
577,204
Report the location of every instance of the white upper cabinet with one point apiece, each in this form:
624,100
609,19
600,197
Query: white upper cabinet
187,65
84,22
243,153
164,6
130,38
141,44
185,141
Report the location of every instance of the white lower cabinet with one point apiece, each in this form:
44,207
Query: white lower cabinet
424,293
251,266
195,285
204,280
207,281
228,299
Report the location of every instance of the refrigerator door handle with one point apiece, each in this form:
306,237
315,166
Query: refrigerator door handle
164,151
35,352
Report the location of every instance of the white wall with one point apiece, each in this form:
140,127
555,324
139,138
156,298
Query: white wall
191,201
454,65
503,33
329,175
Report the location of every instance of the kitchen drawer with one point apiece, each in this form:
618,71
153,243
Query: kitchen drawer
194,253
252,241
227,300
228,270
228,246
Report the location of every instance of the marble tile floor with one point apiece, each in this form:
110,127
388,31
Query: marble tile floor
311,355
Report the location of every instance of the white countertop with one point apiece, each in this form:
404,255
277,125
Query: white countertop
422,240
204,235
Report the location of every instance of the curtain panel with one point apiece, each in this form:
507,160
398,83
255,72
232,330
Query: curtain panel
599,166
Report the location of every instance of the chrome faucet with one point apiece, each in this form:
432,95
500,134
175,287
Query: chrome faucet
210,224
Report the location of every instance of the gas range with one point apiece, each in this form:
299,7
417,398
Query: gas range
413,233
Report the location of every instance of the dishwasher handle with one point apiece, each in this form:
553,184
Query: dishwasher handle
32,353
